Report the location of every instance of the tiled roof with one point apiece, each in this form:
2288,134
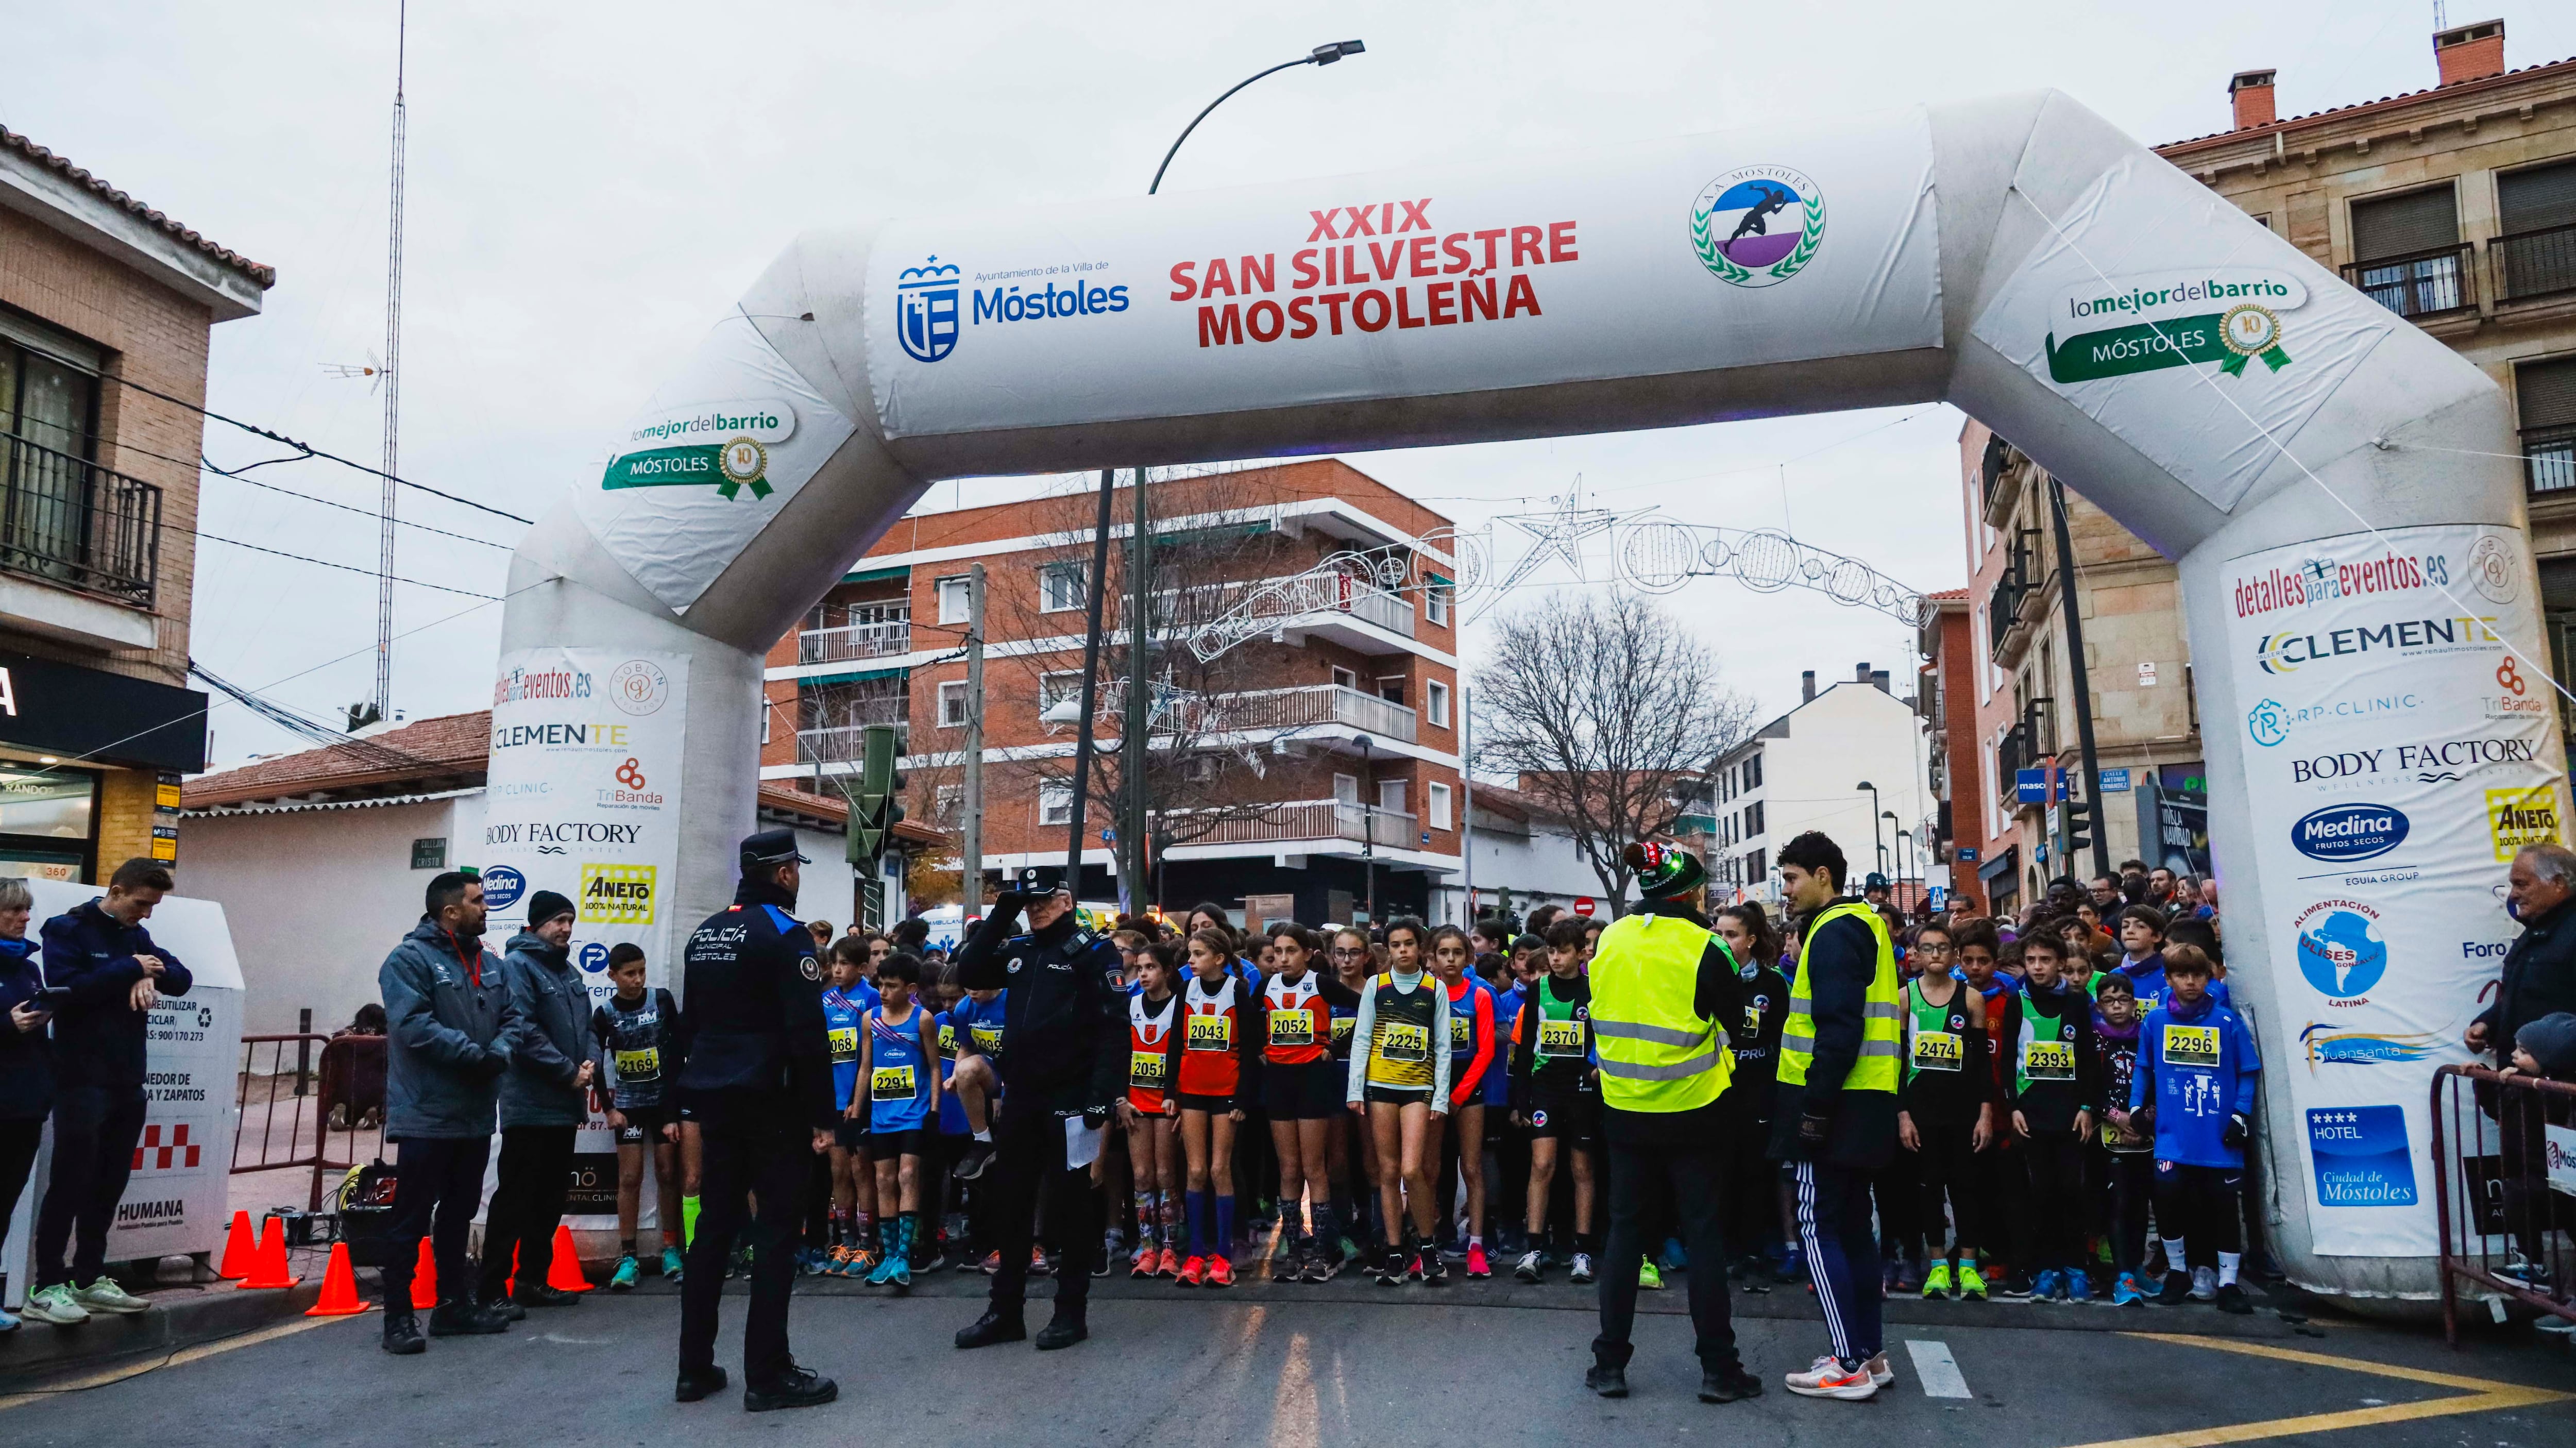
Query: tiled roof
431,748
1947,593
266,276
2358,107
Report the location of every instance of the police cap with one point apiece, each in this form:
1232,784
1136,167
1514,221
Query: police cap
768,848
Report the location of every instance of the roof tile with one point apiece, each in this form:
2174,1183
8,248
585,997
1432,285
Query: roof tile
10,140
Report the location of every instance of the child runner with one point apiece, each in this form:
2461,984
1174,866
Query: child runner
1400,1080
847,999
978,1020
1509,1143
2056,1087
1946,1111
642,1043
1149,1110
1219,1068
2128,1154
941,983
1556,1091
1301,1093
2197,1069
898,1058
1471,1050
1758,1212
1350,1155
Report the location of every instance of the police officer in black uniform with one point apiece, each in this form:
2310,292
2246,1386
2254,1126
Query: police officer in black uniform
1063,1061
758,1085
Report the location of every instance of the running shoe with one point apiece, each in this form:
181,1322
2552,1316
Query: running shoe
809,1261
1039,1266
863,1263
2520,1270
56,1305
1435,1270
2204,1284
1879,1371
838,1259
1936,1283
2128,1291
672,1266
1477,1263
1321,1264
1220,1272
1910,1275
2041,1288
1828,1378
1390,1273
1649,1277
1413,1266
992,1262
1675,1258
1169,1265
623,1279
1532,1267
2176,1290
1793,1268
1972,1283
2231,1299
1582,1268
1142,1265
107,1295
1193,1272
979,1155
2079,1287
2016,1284
883,1273
8,1321
1350,1251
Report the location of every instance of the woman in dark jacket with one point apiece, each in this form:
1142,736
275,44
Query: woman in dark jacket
26,1065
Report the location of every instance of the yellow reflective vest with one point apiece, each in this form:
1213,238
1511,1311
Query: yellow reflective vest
1882,1021
1657,1052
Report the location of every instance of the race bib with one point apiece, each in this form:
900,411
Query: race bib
988,1039
1462,1032
1145,1068
2048,1060
1342,1028
1210,1033
1939,1051
1404,1041
638,1065
1560,1038
947,1043
1752,1022
2190,1045
890,1083
845,1043
1292,1028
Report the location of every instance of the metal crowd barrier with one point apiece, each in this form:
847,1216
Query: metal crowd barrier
2504,1174
287,1089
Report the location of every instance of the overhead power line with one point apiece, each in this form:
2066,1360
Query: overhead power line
366,751
345,567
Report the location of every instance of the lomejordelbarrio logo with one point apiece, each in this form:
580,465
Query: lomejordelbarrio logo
722,444
1758,226
2150,321
925,305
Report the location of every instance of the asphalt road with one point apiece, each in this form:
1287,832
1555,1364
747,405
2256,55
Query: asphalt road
1348,1362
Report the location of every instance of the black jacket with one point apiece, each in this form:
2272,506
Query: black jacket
1064,1021
2539,977
98,1034
753,988
26,1062
1840,961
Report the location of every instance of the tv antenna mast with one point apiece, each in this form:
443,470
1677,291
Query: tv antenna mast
380,707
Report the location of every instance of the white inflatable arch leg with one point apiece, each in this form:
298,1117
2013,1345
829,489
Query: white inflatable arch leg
2353,555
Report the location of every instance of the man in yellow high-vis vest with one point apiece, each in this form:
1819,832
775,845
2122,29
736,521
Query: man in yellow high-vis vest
1662,985
1834,1120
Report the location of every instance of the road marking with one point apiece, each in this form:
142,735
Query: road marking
2484,1396
177,1359
1937,1370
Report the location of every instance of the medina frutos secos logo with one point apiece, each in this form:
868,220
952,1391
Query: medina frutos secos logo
2344,834
1758,226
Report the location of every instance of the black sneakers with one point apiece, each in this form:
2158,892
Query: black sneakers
2231,1299
402,1335
979,1155
464,1317
800,1388
701,1383
542,1296
1063,1331
991,1328
1726,1384
1435,1269
1606,1380
1391,1272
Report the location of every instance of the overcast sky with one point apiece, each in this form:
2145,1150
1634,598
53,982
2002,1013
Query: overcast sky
592,184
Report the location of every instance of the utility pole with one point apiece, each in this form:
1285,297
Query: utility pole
1094,585
383,700
2075,661
1135,745
1368,829
970,855
1467,798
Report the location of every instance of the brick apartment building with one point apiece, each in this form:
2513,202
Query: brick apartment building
98,507
1317,755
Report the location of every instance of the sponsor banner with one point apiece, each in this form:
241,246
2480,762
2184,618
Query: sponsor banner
2390,768
2174,350
722,446
1770,244
586,747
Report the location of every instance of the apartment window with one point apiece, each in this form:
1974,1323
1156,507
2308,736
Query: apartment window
1753,772
1391,689
953,598
1437,798
1391,795
1753,822
1199,768
1345,678
2536,255
1062,586
949,800
1055,804
1435,603
1346,789
1435,698
2544,399
2406,252
1063,686
952,705
766,709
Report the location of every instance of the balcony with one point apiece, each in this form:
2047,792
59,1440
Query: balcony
1309,707
854,642
1319,602
1996,499
2419,284
2008,627
840,743
77,525
2534,263
1306,820
2549,458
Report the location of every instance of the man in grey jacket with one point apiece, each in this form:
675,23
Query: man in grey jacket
445,1008
545,1098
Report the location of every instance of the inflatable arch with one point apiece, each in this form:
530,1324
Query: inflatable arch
2337,488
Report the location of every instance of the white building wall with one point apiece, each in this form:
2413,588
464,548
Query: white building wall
1849,733
1538,865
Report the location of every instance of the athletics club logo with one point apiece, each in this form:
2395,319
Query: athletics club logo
926,310
1758,226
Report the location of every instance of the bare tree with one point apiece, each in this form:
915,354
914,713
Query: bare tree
1611,715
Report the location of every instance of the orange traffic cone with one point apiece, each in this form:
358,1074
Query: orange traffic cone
239,1248
565,1274
268,1270
339,1288
424,1279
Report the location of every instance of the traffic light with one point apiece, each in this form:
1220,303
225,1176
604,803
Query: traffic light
2081,821
874,811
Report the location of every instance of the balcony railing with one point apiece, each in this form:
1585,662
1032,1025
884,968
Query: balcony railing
1184,611
1304,819
76,524
1310,706
840,743
2549,458
2534,263
2419,284
852,642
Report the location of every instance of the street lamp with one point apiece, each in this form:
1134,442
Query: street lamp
1873,825
1320,55
1889,815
